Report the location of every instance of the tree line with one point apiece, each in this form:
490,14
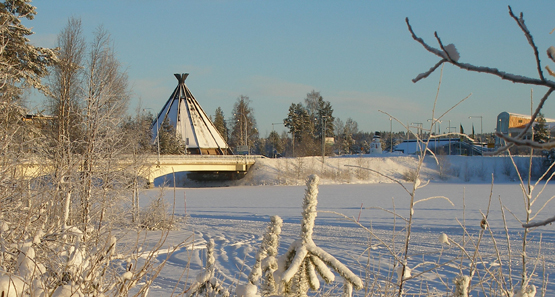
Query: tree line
312,129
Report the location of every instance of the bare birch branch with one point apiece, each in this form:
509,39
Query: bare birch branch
520,22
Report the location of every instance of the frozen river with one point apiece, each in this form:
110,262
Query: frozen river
236,218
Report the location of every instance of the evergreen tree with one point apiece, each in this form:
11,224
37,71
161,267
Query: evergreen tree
276,144
298,121
219,122
23,65
138,134
169,143
541,131
243,131
310,123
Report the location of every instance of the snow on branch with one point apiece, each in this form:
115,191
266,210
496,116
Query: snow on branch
494,71
449,54
540,223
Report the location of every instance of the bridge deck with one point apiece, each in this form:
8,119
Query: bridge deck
163,165
154,166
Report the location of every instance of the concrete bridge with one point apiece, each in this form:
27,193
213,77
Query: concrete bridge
226,165
151,167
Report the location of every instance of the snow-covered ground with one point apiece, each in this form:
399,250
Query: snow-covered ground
236,216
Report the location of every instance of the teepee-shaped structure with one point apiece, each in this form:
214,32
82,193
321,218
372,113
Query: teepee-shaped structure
191,123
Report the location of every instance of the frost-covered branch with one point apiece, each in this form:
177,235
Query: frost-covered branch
520,22
494,71
430,71
449,54
540,223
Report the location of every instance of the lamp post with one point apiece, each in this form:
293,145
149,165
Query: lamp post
434,121
449,132
323,137
418,127
391,135
246,132
481,132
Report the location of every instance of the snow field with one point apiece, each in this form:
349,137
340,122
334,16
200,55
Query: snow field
236,218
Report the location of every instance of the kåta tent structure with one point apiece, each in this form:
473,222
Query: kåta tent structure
191,123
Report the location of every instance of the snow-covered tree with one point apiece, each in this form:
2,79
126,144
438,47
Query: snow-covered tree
541,131
265,265
169,143
205,282
22,64
304,261
243,129
219,122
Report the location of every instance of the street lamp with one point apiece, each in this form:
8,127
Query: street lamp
391,135
434,121
323,137
246,132
418,127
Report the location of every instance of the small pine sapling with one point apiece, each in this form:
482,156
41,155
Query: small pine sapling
304,260
205,281
266,263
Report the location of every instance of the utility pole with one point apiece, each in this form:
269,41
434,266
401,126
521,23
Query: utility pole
323,138
391,135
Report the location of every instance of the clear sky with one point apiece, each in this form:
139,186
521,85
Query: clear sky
358,54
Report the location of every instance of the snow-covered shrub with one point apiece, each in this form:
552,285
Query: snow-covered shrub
443,167
462,283
266,259
468,172
156,217
410,175
206,283
300,266
299,167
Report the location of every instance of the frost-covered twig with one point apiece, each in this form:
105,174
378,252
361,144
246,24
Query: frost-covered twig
445,55
494,71
520,22
539,223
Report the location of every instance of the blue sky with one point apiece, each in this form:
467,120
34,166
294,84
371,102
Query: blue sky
358,54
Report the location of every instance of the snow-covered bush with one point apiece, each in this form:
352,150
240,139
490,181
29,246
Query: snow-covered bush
156,217
206,284
266,263
300,266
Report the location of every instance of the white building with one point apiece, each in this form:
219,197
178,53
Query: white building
511,124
